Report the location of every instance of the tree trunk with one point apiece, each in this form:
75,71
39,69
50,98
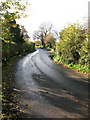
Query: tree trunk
43,44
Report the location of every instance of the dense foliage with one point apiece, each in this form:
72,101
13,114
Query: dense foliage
72,49
12,38
13,44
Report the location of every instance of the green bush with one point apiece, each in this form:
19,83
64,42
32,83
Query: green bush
28,47
72,49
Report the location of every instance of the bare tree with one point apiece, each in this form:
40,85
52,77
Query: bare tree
44,30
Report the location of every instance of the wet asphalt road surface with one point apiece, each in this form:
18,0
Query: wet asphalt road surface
49,90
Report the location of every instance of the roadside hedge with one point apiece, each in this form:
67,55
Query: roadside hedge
72,49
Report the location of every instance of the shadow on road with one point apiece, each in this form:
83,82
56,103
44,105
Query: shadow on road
66,99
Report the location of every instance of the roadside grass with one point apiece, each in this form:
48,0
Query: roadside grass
77,67
52,55
40,46
51,49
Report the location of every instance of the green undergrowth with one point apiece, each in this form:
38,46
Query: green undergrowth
77,67
72,49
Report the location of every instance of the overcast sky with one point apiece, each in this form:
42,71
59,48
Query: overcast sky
59,12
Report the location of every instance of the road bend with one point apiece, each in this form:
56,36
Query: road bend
49,90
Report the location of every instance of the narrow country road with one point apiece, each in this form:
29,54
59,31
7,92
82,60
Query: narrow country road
49,90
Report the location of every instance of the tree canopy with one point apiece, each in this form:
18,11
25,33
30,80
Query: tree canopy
44,30
49,41
15,7
11,10
12,35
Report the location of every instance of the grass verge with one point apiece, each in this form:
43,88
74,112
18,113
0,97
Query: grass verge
77,68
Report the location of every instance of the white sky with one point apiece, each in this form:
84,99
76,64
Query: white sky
59,12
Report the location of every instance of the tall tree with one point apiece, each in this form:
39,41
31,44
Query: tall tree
44,30
15,7
15,34
11,10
